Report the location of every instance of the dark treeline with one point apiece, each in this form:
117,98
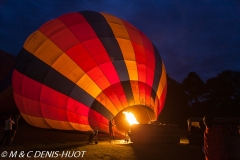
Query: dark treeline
219,96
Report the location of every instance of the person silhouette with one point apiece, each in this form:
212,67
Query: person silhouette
110,125
7,130
14,127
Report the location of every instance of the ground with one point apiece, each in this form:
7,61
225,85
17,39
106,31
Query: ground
35,143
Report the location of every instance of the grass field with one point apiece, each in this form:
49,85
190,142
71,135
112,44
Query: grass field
34,142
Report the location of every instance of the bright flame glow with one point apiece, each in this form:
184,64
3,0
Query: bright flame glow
130,118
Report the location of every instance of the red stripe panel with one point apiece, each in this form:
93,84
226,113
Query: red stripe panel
61,112
149,51
59,34
139,52
85,61
110,72
27,95
156,107
50,96
30,89
142,97
75,118
78,26
150,75
34,110
93,46
141,61
96,50
52,112
110,93
99,78
150,58
141,72
133,32
100,126
137,43
162,99
121,94
148,90
96,118
76,107
17,79
18,101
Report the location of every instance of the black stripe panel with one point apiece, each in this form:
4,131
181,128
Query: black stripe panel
97,106
153,94
158,69
128,92
109,42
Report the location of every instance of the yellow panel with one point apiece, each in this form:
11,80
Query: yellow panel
80,127
132,70
111,18
35,121
125,44
33,42
102,82
93,90
119,31
155,115
59,124
126,48
161,86
113,111
68,68
87,84
99,77
104,100
121,35
60,62
162,82
76,74
43,48
48,52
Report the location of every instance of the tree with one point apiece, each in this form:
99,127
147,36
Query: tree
194,87
224,93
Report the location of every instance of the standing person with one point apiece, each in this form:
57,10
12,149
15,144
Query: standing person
110,125
7,130
214,145
14,127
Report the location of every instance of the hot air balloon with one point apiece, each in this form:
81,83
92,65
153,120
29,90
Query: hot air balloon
80,70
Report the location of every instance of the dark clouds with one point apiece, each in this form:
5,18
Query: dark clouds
201,36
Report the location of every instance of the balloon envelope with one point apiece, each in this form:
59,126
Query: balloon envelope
81,69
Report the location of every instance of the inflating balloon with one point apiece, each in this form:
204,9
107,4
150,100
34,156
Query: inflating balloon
80,70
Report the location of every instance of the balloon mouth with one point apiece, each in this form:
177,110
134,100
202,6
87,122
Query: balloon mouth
131,119
143,115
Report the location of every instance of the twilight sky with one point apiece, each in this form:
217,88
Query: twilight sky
191,35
